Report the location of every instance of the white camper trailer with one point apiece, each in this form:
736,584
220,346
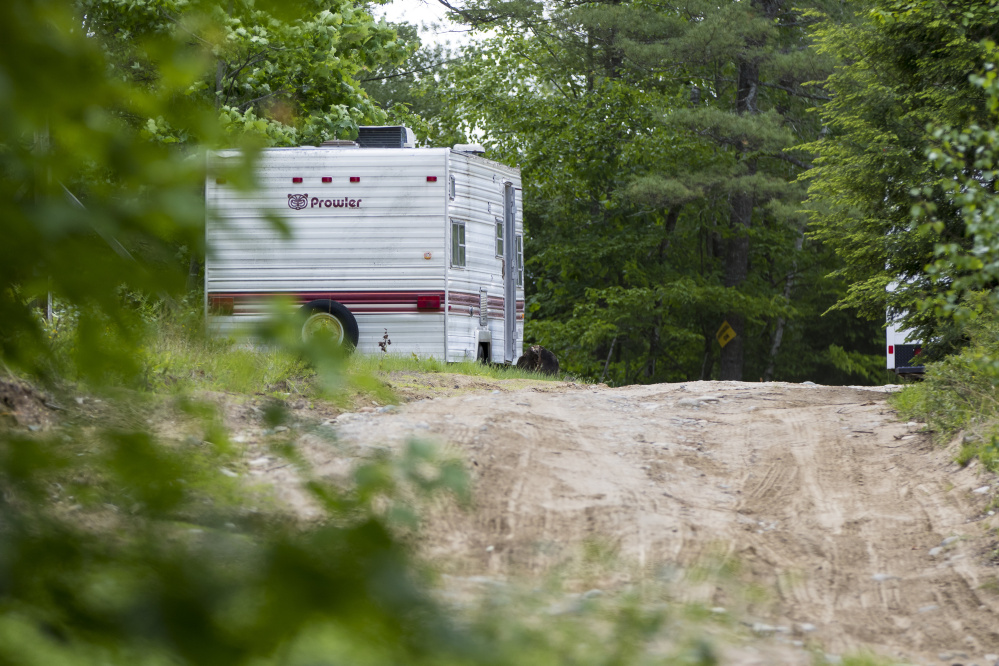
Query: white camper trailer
902,346
419,247
903,351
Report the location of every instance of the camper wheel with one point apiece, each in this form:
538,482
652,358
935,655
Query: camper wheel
329,320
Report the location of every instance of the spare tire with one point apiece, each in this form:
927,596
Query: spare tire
329,320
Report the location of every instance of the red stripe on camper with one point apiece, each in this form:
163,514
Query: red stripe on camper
361,302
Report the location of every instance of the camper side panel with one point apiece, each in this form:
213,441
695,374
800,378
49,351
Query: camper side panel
363,228
903,350
478,204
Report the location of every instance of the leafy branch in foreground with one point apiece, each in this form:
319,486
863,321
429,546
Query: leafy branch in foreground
116,547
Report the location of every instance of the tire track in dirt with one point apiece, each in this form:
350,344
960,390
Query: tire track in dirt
826,501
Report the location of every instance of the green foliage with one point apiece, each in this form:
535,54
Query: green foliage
62,130
409,91
634,139
968,160
115,545
282,72
905,73
961,392
869,367
106,107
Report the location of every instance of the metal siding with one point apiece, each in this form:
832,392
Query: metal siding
376,247
510,276
448,320
479,202
420,334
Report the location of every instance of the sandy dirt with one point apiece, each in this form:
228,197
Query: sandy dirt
861,533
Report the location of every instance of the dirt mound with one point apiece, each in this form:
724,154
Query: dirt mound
857,533
22,405
412,386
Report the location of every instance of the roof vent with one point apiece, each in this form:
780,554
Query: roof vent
340,143
473,148
395,136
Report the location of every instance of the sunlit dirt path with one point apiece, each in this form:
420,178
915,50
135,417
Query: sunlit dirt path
865,536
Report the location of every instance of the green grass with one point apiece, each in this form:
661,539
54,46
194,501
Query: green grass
384,363
862,660
180,357
960,394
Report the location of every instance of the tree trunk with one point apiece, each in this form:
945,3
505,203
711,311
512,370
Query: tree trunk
607,362
768,374
740,220
650,365
736,270
708,362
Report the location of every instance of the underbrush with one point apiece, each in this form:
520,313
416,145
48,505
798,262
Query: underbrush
384,363
961,393
171,352
180,356
120,544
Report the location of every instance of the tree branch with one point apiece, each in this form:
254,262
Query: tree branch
793,160
412,71
471,17
246,105
796,93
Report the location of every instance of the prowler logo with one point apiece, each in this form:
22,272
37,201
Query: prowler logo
300,201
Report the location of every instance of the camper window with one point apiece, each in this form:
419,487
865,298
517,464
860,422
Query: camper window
457,243
499,237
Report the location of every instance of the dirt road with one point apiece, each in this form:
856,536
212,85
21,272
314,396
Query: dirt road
862,535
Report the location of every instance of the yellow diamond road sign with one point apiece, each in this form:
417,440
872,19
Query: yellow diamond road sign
725,334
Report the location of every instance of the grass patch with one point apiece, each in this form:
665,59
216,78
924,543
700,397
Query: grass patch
179,363
861,660
961,393
179,357
384,363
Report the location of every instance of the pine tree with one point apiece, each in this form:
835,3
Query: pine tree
659,143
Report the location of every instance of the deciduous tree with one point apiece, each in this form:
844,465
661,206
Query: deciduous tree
905,73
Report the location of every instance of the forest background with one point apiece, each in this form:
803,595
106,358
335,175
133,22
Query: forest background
769,165
773,165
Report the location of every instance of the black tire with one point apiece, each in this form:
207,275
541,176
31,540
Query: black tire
333,320
482,356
